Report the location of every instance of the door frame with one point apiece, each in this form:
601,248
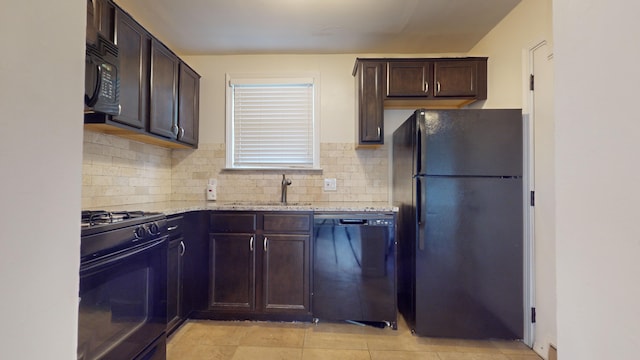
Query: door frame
529,187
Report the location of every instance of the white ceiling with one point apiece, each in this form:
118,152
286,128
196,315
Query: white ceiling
318,26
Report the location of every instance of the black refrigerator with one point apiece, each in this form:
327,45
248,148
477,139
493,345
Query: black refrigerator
457,180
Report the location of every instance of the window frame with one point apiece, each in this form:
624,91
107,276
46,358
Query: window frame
266,79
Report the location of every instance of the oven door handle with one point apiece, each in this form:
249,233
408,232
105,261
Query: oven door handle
109,260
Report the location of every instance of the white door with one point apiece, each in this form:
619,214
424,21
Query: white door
544,253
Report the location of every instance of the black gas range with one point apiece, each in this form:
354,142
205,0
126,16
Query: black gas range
104,231
94,221
123,293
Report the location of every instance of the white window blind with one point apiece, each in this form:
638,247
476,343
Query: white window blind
272,121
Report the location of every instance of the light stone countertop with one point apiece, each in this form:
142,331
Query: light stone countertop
176,207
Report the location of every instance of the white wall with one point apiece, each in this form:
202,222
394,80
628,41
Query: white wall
507,46
337,109
41,87
526,25
597,177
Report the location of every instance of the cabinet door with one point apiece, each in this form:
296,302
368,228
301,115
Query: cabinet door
133,46
195,280
456,78
164,73
174,282
232,272
188,105
408,79
100,14
370,102
285,273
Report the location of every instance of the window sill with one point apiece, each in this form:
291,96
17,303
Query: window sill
275,170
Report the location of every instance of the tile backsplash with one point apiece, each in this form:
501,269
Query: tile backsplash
118,171
361,175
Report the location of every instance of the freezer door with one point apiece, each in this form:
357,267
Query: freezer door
469,258
472,142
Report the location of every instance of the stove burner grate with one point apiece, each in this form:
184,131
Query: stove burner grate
98,217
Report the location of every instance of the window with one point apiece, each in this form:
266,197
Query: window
272,123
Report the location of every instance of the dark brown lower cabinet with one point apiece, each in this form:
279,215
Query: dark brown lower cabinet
187,268
175,271
260,266
285,274
233,272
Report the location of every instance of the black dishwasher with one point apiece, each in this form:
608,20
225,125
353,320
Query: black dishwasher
354,271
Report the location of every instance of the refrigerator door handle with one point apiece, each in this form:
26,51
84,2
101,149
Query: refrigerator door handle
419,149
419,207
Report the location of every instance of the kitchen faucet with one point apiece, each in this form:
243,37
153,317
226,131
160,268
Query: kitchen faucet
283,190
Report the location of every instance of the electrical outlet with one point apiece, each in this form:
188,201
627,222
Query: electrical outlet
329,184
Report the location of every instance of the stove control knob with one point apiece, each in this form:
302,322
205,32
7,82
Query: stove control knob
139,232
154,229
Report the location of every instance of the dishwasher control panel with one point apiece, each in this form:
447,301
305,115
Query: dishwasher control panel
380,222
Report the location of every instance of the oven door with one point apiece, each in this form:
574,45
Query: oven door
123,305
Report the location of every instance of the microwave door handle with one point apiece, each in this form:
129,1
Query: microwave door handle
91,101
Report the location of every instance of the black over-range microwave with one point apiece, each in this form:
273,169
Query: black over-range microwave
102,76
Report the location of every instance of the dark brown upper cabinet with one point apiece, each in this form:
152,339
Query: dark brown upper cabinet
159,93
100,20
465,78
402,83
133,45
409,78
163,115
188,105
370,91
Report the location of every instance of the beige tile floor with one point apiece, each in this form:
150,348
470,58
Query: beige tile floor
243,340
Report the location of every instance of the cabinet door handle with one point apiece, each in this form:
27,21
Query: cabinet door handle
251,244
379,130
264,244
181,133
175,129
426,86
183,248
438,87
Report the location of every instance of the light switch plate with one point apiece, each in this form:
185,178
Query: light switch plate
330,184
212,190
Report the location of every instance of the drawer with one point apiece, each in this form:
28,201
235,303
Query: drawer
284,223
232,223
175,226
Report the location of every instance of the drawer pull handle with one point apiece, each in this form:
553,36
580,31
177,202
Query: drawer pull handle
171,228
